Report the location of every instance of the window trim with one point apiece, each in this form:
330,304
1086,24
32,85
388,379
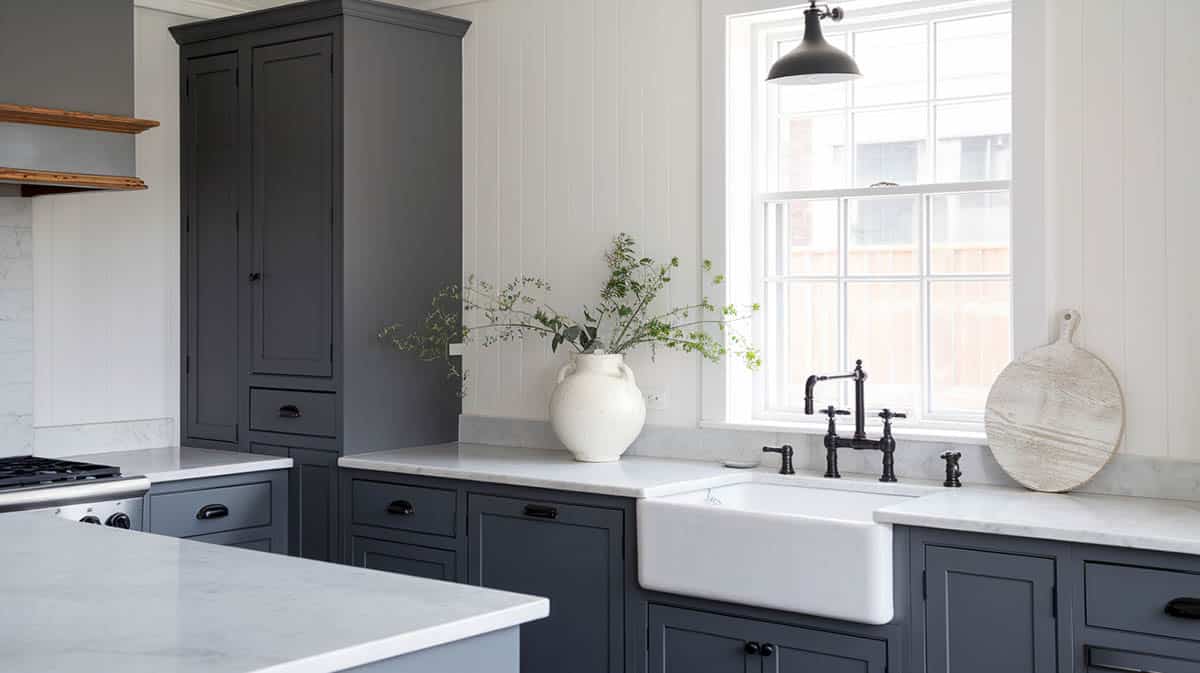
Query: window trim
723,401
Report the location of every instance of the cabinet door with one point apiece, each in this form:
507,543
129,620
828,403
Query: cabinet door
797,650
407,559
211,280
568,553
688,641
988,612
312,505
292,290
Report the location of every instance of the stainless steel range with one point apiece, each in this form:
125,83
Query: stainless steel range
85,492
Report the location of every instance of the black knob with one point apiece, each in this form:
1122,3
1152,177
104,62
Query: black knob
767,649
90,518
255,276
119,520
751,647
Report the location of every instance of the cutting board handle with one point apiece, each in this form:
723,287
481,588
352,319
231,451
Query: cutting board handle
1068,321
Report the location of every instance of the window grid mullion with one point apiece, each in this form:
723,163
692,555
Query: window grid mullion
843,293
926,308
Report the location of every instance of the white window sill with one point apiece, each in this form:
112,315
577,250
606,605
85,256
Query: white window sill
934,435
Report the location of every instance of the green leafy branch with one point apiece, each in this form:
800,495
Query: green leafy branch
519,310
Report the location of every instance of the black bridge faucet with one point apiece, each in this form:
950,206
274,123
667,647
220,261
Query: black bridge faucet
859,442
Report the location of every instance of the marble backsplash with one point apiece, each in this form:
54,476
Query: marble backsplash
16,326
1125,475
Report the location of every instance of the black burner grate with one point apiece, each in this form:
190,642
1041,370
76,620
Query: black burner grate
32,470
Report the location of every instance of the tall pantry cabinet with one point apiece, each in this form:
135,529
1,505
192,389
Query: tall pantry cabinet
321,200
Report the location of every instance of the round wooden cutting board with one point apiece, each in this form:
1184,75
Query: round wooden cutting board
1055,414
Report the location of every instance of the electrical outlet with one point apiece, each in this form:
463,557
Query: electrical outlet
656,399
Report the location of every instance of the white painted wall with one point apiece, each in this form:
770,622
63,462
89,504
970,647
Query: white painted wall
16,326
582,119
1123,195
106,266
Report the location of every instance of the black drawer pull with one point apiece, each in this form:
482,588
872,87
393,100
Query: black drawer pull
1184,608
541,511
289,411
401,507
212,512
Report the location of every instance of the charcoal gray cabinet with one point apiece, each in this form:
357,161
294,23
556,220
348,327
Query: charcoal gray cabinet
292,136
694,641
571,554
211,283
312,505
989,612
321,155
244,510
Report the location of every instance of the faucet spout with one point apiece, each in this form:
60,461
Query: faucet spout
808,393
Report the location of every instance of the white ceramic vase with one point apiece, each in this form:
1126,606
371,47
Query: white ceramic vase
596,408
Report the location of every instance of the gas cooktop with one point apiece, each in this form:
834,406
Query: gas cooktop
19,471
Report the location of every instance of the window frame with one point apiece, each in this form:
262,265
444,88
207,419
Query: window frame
727,209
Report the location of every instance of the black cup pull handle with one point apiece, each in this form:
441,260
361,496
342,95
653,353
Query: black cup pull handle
212,512
255,276
541,511
1184,608
401,507
289,411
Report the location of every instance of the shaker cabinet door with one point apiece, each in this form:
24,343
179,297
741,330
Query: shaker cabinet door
292,279
570,554
210,240
989,612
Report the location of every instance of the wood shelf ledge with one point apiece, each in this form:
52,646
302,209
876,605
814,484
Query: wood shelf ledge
38,183
25,114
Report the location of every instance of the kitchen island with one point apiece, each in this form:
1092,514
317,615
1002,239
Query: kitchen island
89,598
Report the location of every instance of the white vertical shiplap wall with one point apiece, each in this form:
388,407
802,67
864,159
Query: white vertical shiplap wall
106,267
1124,142
16,326
581,121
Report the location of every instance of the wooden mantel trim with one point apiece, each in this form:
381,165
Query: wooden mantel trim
36,183
24,114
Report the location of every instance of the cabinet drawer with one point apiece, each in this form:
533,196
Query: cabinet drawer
1103,660
211,510
401,507
293,411
406,559
1132,598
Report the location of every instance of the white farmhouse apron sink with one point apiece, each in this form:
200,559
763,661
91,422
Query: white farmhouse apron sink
815,551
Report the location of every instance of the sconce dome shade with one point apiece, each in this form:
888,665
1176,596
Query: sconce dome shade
813,61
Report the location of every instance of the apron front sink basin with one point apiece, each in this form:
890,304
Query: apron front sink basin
814,551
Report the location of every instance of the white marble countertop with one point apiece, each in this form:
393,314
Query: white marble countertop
81,598
631,477
177,463
1119,521
1143,523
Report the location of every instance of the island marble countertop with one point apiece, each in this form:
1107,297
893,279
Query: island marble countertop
176,463
81,598
1142,523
